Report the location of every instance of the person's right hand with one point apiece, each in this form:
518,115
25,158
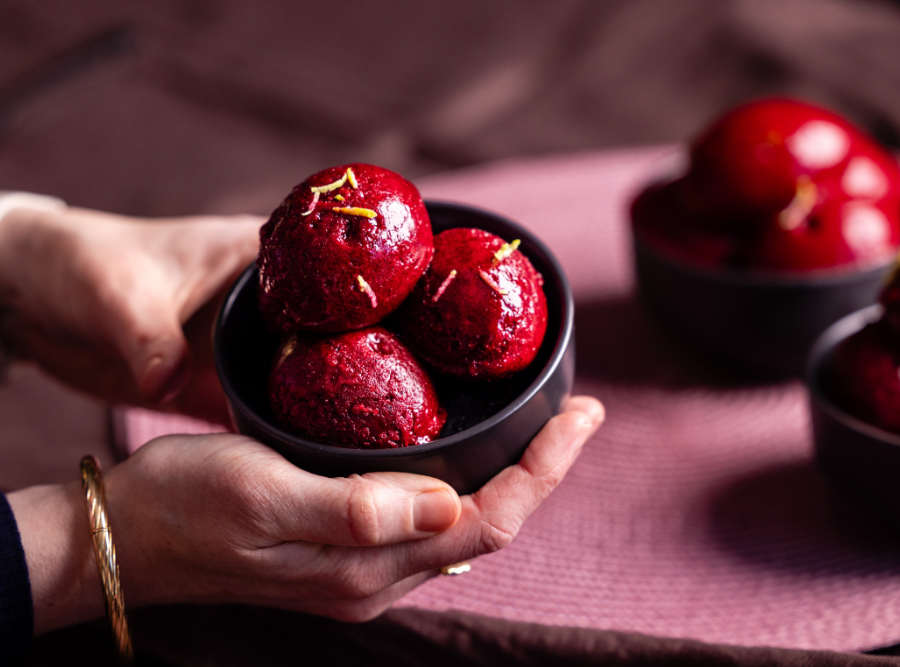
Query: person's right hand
222,518
121,307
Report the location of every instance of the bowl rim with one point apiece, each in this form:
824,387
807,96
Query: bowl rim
747,277
820,354
564,341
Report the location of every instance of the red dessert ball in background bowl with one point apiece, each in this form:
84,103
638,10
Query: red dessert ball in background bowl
479,311
489,424
855,409
355,389
343,250
785,221
865,371
865,378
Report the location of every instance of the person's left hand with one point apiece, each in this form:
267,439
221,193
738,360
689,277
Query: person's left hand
121,307
224,519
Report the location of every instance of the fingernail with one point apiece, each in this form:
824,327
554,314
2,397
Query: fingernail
583,433
434,511
599,416
154,386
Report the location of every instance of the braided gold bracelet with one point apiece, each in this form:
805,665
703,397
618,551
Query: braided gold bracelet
105,551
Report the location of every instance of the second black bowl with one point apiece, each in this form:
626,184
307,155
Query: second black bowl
489,425
862,459
759,322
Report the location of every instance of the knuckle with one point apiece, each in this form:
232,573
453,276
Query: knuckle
544,478
494,537
495,531
363,513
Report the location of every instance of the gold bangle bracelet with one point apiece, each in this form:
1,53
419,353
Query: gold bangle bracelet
105,551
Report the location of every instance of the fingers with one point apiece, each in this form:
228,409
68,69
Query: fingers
492,517
157,353
366,608
211,252
369,510
194,260
354,607
589,406
497,511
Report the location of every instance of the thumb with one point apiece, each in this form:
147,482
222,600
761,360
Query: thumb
159,358
369,510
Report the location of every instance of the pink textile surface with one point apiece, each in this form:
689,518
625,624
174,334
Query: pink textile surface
697,510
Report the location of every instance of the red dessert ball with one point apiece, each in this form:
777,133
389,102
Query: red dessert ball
867,366
781,185
358,389
343,251
867,376
479,312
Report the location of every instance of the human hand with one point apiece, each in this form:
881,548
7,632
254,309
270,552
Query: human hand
222,518
100,300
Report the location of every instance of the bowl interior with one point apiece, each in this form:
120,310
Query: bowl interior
244,349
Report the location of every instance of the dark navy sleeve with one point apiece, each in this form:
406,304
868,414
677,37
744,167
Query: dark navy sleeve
16,609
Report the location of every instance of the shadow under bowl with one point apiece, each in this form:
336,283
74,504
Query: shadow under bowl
862,459
757,323
489,425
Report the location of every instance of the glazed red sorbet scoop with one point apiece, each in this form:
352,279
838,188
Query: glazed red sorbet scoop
343,250
779,185
479,312
358,389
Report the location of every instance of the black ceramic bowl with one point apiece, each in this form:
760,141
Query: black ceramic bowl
863,460
489,425
759,322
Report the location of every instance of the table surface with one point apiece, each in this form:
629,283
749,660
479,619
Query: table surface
696,511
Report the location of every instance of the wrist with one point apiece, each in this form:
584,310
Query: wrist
55,532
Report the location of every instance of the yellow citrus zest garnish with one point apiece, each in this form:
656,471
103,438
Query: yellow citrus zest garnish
352,178
339,197
355,210
795,213
331,186
444,286
312,206
364,287
286,350
492,283
506,250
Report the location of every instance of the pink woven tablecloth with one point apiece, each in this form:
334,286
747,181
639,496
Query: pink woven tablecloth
697,510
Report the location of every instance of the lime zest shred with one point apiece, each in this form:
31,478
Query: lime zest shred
795,214
286,350
444,286
356,210
492,283
331,186
506,250
312,206
367,290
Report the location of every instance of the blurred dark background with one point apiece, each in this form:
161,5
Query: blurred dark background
187,106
